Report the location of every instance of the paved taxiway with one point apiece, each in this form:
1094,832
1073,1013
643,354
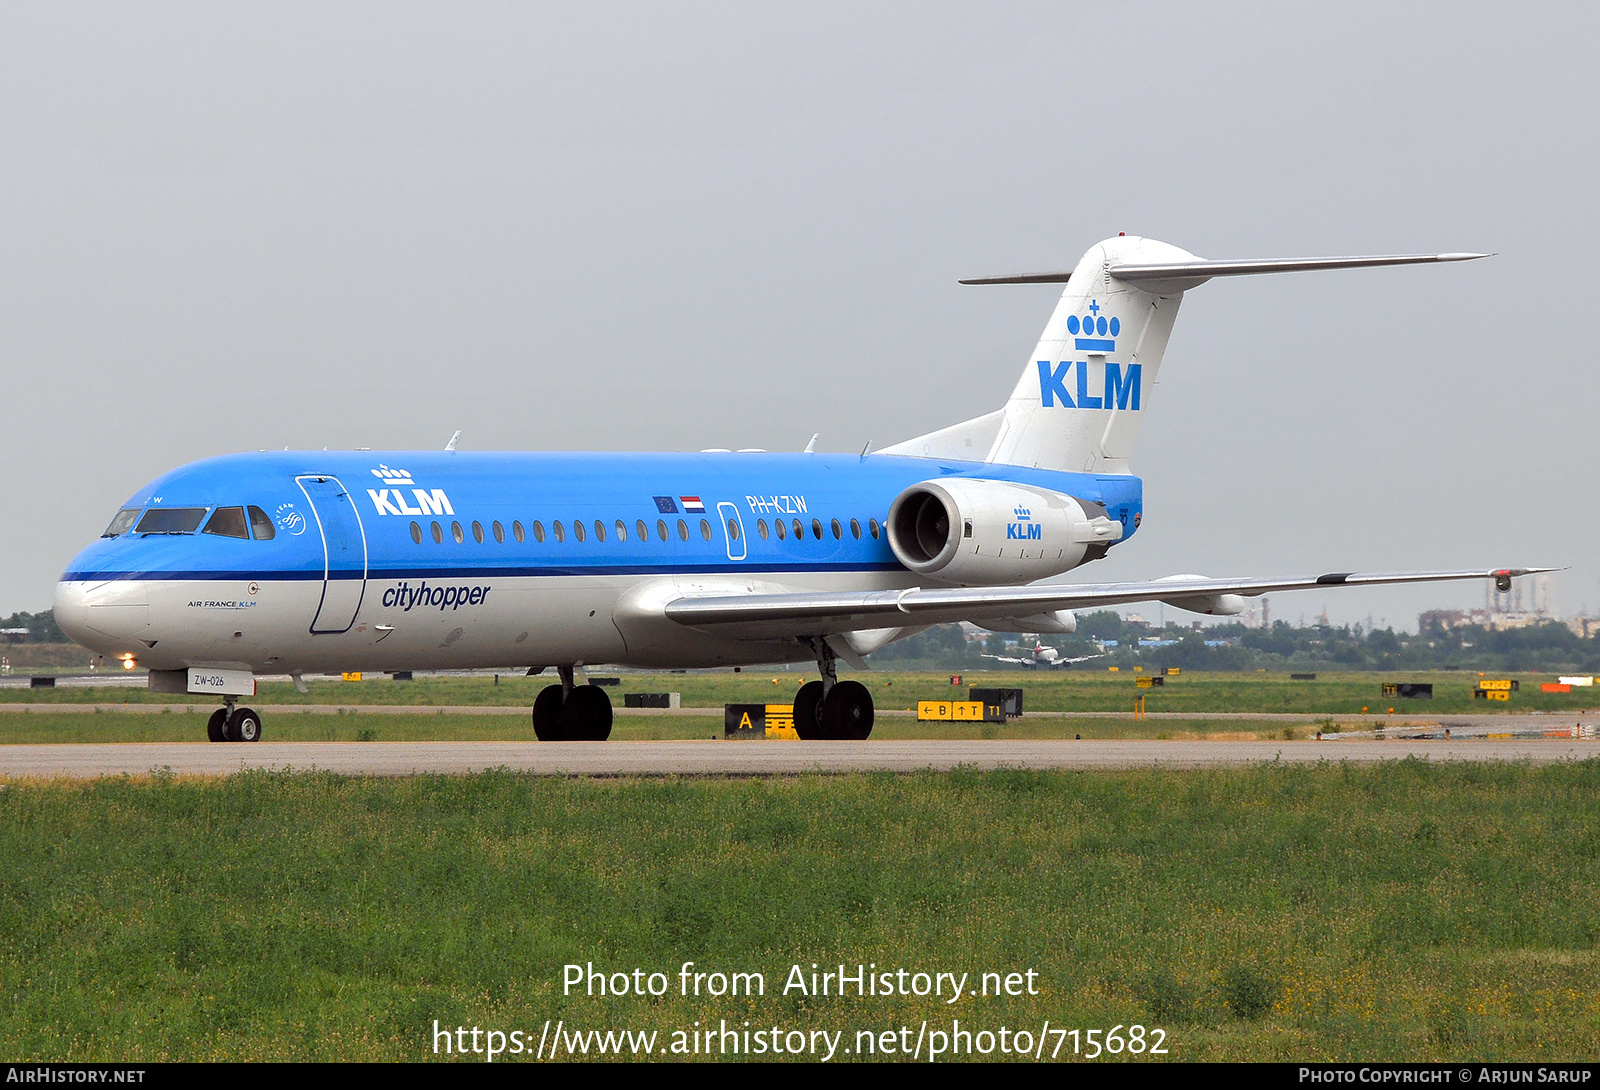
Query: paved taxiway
738,758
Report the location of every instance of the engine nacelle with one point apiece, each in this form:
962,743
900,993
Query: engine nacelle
988,533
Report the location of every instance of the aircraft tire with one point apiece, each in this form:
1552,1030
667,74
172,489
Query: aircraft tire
244,725
808,711
586,716
217,726
847,713
547,715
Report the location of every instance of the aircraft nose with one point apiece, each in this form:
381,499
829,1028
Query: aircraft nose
71,606
106,616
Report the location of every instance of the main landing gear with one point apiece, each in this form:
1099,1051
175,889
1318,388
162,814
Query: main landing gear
230,724
571,713
831,708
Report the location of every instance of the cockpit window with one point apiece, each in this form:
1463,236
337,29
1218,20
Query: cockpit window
261,525
170,520
122,522
228,522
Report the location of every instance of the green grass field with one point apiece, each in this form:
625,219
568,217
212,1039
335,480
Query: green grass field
1401,912
1081,690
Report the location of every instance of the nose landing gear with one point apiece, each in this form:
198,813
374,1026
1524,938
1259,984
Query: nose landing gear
571,713
830,708
230,724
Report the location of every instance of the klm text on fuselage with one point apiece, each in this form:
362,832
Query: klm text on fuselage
1119,390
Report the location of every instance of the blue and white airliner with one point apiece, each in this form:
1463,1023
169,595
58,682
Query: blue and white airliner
296,562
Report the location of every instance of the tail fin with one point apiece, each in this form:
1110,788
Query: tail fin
1081,398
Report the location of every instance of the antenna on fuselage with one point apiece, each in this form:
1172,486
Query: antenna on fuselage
451,445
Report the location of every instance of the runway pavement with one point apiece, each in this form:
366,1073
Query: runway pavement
739,758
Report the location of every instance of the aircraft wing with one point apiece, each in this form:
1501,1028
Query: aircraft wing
762,616
1005,658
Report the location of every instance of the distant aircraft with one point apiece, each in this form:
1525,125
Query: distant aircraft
1048,657
316,561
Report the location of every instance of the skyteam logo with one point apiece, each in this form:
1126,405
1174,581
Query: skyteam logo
1099,332
392,501
1024,529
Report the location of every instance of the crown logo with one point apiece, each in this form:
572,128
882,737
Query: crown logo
1023,514
1094,332
392,476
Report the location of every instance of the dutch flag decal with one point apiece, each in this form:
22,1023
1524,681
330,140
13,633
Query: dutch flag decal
692,505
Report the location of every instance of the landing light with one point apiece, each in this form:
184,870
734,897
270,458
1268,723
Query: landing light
127,662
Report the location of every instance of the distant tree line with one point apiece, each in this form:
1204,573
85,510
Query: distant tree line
42,628
1548,647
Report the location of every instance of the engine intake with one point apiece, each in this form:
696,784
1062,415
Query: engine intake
980,533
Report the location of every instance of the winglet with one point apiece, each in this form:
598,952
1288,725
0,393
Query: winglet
451,445
811,447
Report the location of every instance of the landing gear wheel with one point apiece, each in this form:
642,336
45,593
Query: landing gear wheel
547,715
847,712
244,725
217,725
586,716
808,711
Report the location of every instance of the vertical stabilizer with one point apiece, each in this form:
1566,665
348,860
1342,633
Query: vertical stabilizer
1086,388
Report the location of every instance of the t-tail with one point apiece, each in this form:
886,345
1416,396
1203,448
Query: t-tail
1085,390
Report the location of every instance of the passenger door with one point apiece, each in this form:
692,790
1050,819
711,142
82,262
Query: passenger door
344,553
732,530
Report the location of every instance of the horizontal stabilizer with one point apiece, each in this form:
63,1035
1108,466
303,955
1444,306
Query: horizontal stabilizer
1024,278
1183,270
1200,271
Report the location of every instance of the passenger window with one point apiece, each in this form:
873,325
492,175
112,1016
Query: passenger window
438,534
661,529
599,530
416,533
643,530
516,532
855,529
455,532
733,529
837,532
799,531
683,530
477,532
577,529
705,529
761,528
499,533
816,529
777,524
227,522
120,524
622,530
170,520
261,526
872,524
557,529
538,531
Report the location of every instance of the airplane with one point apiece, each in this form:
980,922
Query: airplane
1048,657
298,562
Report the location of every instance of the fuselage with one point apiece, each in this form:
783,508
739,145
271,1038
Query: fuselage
315,561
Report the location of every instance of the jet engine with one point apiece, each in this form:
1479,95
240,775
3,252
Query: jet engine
988,533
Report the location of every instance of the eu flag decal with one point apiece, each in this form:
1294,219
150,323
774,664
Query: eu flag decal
666,505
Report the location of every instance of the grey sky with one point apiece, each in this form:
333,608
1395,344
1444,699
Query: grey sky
673,226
